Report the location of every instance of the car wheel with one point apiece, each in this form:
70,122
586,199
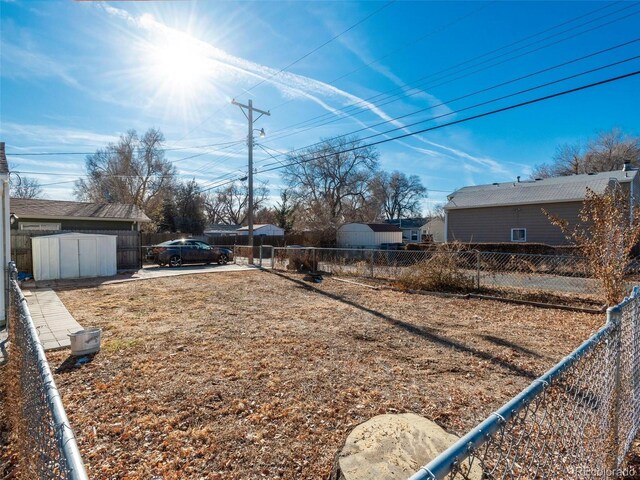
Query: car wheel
222,259
175,261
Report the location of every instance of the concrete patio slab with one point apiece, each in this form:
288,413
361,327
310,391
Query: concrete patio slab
51,318
146,273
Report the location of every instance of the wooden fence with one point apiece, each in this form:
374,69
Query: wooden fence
127,247
148,239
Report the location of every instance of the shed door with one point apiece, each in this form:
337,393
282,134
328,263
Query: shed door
88,257
69,259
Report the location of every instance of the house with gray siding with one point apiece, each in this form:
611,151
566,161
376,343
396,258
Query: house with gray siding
513,211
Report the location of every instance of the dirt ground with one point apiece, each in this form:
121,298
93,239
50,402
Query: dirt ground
252,375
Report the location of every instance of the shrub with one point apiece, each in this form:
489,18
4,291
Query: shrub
302,261
606,232
442,271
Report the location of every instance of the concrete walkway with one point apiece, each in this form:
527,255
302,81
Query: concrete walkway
146,273
51,318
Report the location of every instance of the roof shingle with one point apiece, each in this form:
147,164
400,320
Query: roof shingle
548,190
39,208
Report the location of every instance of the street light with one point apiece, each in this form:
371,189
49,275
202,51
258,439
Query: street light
249,114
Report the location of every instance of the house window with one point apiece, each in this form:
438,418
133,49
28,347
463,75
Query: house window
414,235
518,234
39,226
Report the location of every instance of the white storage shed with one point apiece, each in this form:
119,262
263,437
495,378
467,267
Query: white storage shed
73,255
367,235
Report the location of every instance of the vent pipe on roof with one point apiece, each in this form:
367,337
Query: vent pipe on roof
627,166
518,177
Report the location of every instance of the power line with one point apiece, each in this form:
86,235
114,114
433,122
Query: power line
520,92
455,122
348,110
320,46
291,64
480,115
235,142
438,30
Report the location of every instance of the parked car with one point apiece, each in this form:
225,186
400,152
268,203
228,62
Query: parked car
175,253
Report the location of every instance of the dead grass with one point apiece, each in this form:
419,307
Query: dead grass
257,375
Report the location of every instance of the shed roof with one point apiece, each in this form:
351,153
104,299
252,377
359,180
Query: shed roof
383,227
73,235
220,227
39,208
407,222
548,190
258,225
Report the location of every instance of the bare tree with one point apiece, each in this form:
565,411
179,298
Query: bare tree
606,152
265,215
27,187
189,202
437,212
606,232
231,205
132,171
611,150
330,182
213,209
400,195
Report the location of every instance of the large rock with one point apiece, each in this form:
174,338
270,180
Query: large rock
390,447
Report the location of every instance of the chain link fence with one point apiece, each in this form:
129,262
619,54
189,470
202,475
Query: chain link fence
45,439
550,273
576,421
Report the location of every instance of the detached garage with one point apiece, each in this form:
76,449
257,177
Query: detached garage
73,255
368,235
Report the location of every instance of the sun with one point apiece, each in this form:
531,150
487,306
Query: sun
179,67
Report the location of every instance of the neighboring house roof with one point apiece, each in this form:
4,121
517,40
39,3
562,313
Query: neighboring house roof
221,228
407,223
4,166
258,225
61,209
571,188
383,227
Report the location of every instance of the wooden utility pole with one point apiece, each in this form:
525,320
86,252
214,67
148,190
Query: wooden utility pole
248,112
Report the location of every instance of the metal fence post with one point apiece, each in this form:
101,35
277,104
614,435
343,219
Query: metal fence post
614,317
260,260
478,268
313,261
373,252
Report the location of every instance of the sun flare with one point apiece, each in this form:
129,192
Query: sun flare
180,68
177,68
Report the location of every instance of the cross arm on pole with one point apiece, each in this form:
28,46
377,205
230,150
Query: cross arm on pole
261,112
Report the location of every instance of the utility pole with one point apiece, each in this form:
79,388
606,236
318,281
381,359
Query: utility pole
249,114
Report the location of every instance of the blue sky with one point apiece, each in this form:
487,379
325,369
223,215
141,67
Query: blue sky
76,75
